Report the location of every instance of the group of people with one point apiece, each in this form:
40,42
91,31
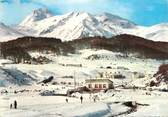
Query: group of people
81,99
14,105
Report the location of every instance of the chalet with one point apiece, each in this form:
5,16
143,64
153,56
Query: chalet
99,84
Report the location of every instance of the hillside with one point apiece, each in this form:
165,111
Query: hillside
129,45
18,49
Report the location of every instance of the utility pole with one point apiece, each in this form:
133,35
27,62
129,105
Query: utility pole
90,87
0,50
74,81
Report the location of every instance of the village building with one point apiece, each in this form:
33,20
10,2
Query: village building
70,64
99,84
111,75
69,81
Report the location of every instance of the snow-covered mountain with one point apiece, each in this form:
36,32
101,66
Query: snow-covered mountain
157,32
74,25
35,16
7,33
113,20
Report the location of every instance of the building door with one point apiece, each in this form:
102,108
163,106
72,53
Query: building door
104,86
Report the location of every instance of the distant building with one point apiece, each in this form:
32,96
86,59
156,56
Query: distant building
68,81
70,64
99,84
111,75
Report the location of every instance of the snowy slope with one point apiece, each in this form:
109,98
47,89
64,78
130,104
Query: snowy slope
157,32
13,77
110,20
7,33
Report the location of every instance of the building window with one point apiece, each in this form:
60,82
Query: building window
90,86
96,86
100,86
104,86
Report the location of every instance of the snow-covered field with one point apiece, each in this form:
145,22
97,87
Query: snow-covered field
21,81
32,105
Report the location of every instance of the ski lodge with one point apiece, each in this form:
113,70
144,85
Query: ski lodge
99,84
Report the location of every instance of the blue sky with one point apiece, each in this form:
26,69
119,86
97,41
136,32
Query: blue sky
142,12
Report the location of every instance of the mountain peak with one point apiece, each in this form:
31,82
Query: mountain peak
117,20
37,15
86,14
2,24
42,12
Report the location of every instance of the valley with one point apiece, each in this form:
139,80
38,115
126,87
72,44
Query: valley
81,64
36,99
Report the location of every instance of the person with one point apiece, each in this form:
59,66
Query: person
134,106
10,106
66,100
15,104
94,99
81,98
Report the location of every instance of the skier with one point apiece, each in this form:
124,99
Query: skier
66,100
81,98
10,106
15,104
94,99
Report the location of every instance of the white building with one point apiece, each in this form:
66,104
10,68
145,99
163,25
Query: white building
99,84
